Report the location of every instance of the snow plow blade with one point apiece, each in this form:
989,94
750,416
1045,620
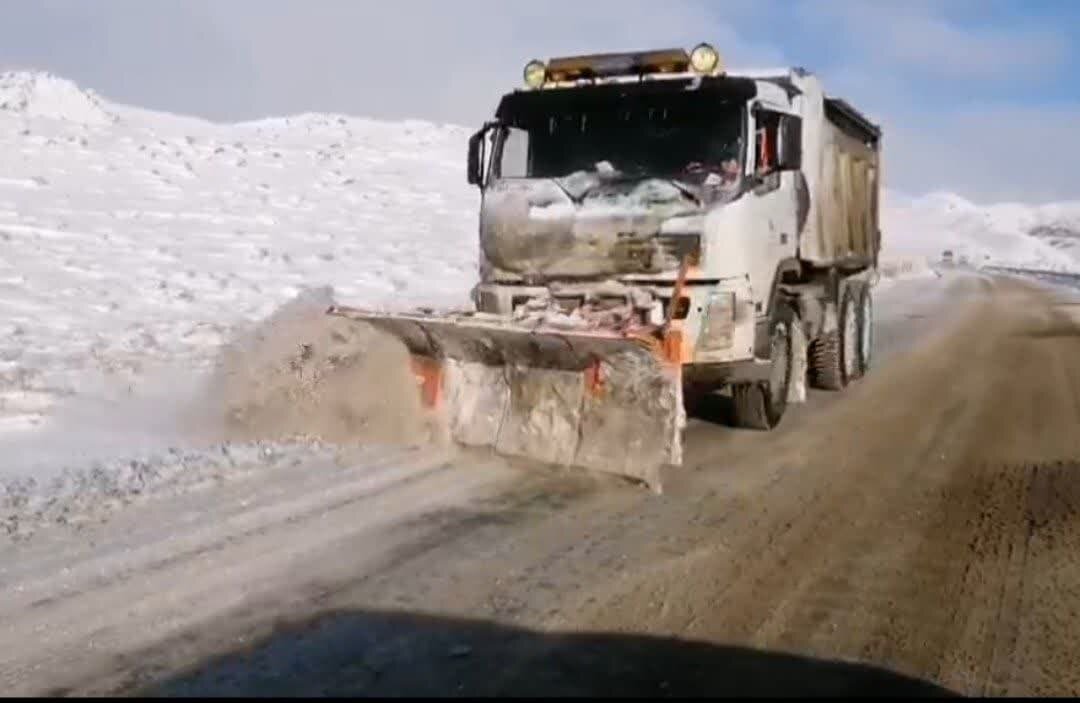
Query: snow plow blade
598,400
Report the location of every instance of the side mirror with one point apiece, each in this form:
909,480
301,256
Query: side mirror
475,167
477,155
789,148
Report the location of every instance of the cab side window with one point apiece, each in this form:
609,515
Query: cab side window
766,137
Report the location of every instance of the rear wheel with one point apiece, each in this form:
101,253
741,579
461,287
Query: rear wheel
759,405
834,355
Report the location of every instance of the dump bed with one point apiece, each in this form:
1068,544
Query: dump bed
842,166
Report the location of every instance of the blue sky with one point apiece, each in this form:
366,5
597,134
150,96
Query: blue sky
980,97
1007,50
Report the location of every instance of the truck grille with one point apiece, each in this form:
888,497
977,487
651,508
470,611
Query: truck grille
657,253
677,246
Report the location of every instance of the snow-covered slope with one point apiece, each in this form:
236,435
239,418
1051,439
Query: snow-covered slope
145,237
1006,234
129,237
30,94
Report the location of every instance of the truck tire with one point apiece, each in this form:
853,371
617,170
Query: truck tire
759,405
833,354
866,329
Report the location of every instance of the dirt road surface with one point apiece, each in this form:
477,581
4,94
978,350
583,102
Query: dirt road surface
916,534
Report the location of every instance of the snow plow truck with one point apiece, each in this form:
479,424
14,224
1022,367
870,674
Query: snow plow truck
652,229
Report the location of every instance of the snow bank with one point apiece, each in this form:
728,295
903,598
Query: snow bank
92,488
303,372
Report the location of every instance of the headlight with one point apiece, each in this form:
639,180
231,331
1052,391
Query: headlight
704,59
535,74
718,323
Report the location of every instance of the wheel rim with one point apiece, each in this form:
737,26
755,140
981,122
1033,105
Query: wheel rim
780,364
867,336
851,341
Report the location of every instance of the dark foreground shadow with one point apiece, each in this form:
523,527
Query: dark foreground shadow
395,654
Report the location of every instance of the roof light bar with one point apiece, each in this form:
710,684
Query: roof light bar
704,59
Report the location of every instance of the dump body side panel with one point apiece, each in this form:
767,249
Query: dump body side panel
847,214
841,164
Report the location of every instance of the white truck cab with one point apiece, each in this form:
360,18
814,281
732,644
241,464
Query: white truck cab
730,199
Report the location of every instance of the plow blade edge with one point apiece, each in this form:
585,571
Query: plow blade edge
595,400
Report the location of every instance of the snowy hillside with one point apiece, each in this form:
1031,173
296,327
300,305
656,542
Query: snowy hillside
1007,234
131,237
45,95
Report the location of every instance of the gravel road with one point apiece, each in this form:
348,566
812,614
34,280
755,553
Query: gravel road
914,534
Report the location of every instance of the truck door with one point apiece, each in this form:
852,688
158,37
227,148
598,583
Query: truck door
775,203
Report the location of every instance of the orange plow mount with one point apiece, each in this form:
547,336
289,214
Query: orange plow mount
601,400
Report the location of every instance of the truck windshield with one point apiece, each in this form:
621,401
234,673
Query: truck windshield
667,135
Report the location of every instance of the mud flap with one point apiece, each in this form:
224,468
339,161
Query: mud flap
799,362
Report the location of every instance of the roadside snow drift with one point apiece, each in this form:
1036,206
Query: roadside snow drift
342,382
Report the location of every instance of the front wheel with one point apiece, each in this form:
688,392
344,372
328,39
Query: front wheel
759,405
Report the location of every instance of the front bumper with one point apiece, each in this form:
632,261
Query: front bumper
716,321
